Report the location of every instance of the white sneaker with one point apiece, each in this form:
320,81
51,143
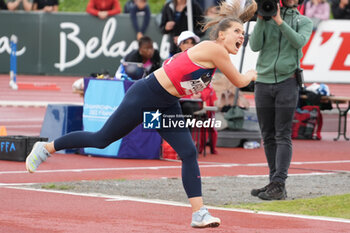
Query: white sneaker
38,155
202,218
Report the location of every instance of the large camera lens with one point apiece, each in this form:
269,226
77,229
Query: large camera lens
267,8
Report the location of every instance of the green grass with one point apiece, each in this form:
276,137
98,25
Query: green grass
337,206
72,5
57,187
80,5
155,5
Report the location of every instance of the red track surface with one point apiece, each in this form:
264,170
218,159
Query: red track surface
33,211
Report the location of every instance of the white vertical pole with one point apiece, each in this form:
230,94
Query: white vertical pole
189,15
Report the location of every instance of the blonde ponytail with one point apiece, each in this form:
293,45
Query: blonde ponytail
230,13
248,12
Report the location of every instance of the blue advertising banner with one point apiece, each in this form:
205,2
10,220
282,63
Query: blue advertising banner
101,99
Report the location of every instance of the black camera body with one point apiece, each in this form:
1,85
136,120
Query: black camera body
299,75
267,8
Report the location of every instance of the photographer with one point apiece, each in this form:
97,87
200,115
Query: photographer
279,38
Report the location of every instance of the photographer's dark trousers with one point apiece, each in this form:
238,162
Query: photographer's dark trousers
145,93
275,105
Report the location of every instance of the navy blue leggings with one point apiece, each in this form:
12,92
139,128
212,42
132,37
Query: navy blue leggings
145,93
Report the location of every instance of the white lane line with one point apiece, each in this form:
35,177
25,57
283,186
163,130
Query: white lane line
173,203
169,167
321,162
265,164
27,120
299,174
93,169
15,184
23,126
33,103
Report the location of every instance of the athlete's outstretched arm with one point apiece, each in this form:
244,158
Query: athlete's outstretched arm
222,61
211,54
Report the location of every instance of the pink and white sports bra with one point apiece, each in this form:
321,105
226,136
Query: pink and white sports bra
187,77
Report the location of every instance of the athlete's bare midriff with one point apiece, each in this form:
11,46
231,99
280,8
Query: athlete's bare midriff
165,82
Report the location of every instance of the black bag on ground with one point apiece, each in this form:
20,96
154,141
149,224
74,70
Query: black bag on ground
16,148
240,119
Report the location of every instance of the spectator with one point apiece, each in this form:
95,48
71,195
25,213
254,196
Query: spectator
140,7
174,21
3,5
317,10
45,5
146,55
13,5
186,40
128,5
103,8
341,9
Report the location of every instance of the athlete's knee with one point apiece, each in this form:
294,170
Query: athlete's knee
101,144
100,141
189,152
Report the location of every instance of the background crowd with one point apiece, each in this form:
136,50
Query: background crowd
172,18
173,15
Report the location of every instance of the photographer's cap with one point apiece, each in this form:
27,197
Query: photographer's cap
187,35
